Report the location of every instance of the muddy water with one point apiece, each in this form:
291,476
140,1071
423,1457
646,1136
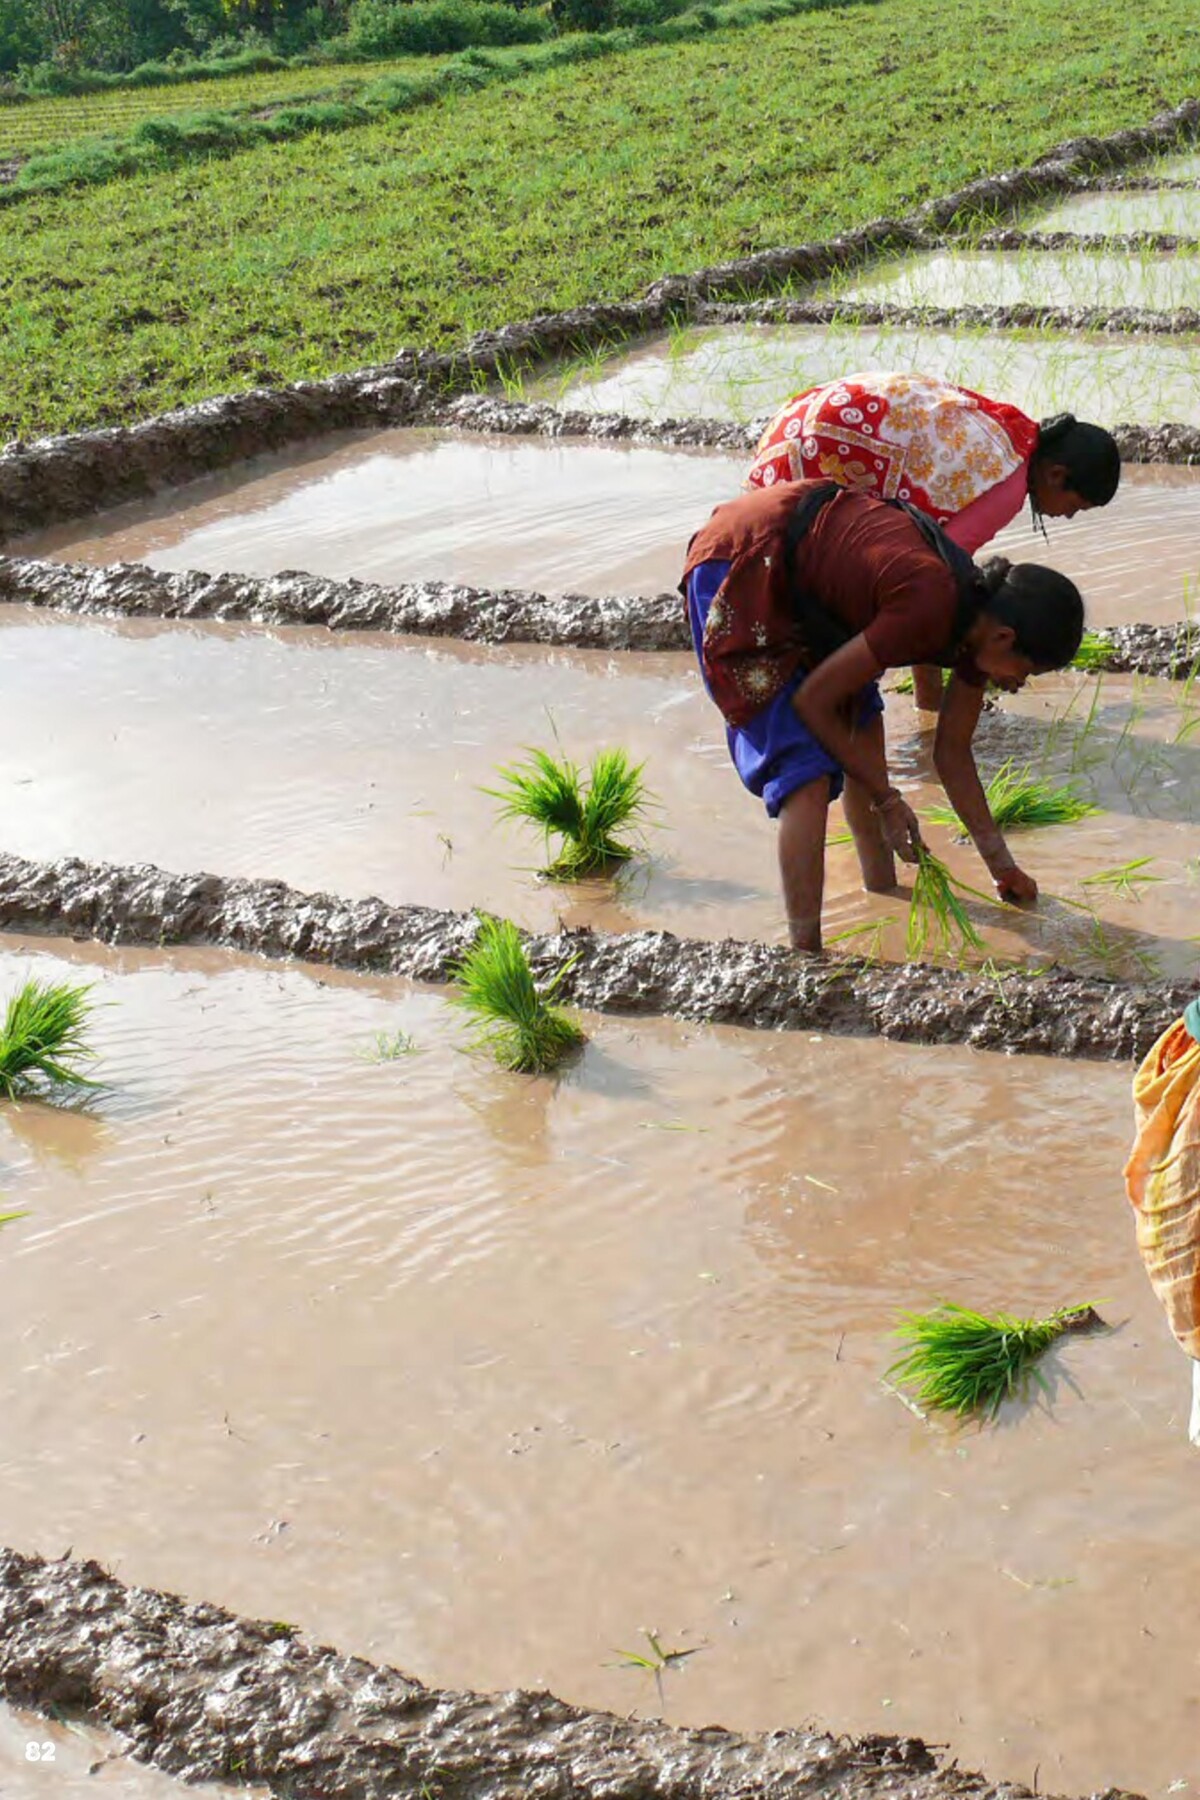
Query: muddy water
1174,210
1035,278
482,1377
398,506
73,1760
358,767
1137,558
741,372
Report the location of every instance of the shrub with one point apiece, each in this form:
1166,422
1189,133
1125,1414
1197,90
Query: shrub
424,27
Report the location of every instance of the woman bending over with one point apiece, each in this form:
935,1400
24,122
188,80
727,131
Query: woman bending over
969,462
799,596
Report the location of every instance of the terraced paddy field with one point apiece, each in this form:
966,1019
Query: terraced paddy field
315,1314
620,1335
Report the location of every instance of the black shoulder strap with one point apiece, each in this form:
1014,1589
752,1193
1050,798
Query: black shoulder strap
821,631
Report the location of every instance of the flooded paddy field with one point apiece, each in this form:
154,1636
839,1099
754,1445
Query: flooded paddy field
398,506
1164,209
359,766
402,1352
1162,282
743,372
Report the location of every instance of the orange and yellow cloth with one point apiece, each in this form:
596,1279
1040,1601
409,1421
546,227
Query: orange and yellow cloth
1162,1177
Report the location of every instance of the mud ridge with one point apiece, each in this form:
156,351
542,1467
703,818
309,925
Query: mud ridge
204,1695
423,609
1132,243
1171,651
1168,443
68,477
443,609
1136,184
756,985
1020,316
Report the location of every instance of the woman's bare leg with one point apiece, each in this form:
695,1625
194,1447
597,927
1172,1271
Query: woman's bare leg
875,859
927,687
802,823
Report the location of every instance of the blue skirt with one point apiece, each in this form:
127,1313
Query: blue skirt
774,752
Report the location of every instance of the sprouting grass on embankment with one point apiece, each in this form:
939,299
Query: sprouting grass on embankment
41,124
580,183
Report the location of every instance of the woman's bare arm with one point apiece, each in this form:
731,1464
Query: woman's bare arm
825,701
954,760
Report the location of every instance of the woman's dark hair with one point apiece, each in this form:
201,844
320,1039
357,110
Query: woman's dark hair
1088,453
1043,608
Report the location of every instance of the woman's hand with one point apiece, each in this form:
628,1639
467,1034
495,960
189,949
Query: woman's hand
899,824
1014,885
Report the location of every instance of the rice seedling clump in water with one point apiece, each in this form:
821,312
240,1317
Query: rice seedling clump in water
937,911
586,818
964,1362
1017,798
1094,652
516,1021
44,1035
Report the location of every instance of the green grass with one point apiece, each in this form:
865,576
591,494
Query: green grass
43,124
515,1020
936,914
966,1362
577,184
44,1037
1094,653
585,816
1018,799
161,142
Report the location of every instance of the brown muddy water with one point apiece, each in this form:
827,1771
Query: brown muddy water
359,767
741,372
1167,209
396,506
484,1376
1032,278
572,517
74,1759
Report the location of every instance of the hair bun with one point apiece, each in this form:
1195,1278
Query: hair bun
1055,427
993,573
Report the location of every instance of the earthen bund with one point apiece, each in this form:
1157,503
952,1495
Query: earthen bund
736,983
447,609
205,1695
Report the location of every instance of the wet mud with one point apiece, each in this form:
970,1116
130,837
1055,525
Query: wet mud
1021,316
446,610
1130,243
204,1695
424,609
67,477
755,985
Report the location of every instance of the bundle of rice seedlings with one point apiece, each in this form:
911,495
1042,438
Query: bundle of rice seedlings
937,913
965,1362
553,795
1018,798
516,1021
1094,653
43,1035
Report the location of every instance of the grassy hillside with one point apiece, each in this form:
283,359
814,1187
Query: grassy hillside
323,253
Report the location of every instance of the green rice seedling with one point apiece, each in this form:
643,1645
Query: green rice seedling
864,939
905,683
966,1362
517,1022
658,1661
388,1046
1018,800
552,794
44,1035
937,912
1094,653
1126,881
